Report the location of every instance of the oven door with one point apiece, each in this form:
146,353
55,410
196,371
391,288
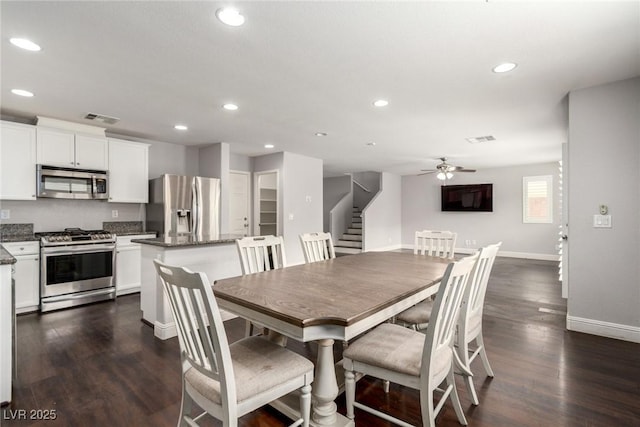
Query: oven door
76,268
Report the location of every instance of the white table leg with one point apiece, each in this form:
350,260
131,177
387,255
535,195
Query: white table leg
325,386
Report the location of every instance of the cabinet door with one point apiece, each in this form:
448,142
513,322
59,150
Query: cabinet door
91,152
128,172
17,162
128,273
27,274
56,147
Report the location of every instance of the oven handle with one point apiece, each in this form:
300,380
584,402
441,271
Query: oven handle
80,249
68,297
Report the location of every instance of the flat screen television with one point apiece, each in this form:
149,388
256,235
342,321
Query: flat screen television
467,198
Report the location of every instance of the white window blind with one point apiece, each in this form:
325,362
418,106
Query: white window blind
537,199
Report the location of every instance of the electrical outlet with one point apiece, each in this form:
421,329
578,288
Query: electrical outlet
473,242
308,199
114,213
5,214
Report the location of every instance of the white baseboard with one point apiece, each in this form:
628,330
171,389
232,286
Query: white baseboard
164,331
604,329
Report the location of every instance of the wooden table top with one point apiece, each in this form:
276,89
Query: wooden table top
340,291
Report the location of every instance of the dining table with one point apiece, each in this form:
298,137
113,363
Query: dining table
336,299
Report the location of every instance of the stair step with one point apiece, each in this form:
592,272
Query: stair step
347,236
348,243
349,251
357,220
356,225
354,230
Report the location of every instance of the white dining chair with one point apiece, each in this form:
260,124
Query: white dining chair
420,361
435,243
261,253
470,321
257,254
317,246
227,381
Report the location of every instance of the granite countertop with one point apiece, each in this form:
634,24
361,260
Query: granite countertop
19,238
190,240
135,233
5,257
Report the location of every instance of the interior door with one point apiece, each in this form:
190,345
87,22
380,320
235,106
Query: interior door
239,190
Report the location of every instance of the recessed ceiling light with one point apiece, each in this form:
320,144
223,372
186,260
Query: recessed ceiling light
381,103
230,16
268,145
22,92
230,107
505,67
180,127
371,144
24,44
321,134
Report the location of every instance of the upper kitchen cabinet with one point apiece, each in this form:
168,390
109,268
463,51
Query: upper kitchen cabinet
17,161
57,147
128,171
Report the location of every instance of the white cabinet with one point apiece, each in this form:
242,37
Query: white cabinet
63,148
17,161
26,273
128,171
128,262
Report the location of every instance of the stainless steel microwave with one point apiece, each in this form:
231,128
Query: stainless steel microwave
65,183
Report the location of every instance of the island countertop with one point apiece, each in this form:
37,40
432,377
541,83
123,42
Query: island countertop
189,240
5,257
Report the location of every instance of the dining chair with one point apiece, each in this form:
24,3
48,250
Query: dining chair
469,328
261,253
470,322
435,243
420,361
317,246
227,381
257,254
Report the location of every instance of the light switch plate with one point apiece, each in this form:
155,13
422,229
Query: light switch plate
602,221
5,214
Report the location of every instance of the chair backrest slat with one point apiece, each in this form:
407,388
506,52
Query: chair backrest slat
435,243
261,253
317,246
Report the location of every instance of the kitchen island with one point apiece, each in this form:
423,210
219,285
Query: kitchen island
216,256
6,324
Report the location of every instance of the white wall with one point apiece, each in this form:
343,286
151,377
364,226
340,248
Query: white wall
302,200
174,159
421,210
382,218
604,168
334,189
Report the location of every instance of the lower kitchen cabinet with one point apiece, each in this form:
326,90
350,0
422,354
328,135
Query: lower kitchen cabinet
128,261
26,273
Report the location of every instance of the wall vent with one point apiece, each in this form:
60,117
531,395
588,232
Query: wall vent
479,139
102,118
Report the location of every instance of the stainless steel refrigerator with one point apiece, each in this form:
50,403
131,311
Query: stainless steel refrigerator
182,205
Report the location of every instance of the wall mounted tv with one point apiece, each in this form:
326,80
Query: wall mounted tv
467,198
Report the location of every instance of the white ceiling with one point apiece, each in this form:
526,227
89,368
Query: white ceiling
296,68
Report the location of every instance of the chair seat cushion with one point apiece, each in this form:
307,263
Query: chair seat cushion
419,313
258,366
397,349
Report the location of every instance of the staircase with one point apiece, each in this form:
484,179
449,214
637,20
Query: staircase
351,241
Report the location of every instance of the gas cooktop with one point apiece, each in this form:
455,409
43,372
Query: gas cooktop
75,235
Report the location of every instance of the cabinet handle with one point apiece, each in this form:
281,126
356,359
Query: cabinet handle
71,163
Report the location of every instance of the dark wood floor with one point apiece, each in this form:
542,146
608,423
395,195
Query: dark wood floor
99,365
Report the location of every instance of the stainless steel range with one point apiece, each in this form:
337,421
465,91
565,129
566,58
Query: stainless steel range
77,267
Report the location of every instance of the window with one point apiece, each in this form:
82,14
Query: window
537,198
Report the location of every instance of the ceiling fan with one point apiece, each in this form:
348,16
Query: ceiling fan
445,170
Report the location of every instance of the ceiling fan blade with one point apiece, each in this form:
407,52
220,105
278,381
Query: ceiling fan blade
426,172
465,170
